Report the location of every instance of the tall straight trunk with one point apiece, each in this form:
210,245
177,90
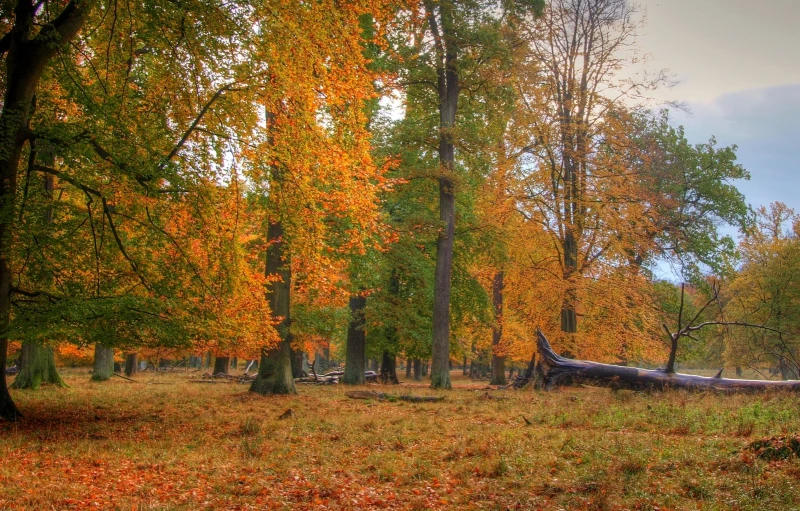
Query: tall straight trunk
417,369
132,363
234,363
355,358
207,364
464,367
275,369
326,361
37,366
408,368
498,363
297,364
25,59
221,365
103,363
448,90
569,318
388,369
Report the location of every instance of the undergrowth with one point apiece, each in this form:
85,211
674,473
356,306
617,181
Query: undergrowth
167,443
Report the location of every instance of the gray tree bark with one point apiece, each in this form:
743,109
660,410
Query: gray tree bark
221,365
388,370
25,57
498,363
132,363
275,369
37,366
355,359
448,91
103,363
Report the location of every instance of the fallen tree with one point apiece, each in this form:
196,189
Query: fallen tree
555,370
380,396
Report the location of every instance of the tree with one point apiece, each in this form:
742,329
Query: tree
355,360
614,187
453,43
27,53
765,291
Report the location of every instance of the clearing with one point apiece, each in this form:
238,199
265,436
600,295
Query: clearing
167,443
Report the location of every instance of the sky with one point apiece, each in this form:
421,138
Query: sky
737,63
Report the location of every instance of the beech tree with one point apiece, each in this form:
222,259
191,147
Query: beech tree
27,52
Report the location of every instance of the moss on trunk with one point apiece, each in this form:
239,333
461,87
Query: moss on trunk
103,363
37,366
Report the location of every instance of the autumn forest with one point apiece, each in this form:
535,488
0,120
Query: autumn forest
396,197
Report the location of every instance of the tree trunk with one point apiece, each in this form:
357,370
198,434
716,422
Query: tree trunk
37,366
25,60
103,363
388,370
555,370
275,369
408,368
132,363
425,369
207,365
355,358
37,363
788,369
221,365
498,363
417,369
326,361
448,90
234,363
297,364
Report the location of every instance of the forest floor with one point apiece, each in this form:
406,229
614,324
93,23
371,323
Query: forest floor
166,443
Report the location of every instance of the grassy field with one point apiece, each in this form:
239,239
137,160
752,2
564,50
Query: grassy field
167,443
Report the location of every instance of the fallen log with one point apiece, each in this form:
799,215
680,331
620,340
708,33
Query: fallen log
381,396
555,370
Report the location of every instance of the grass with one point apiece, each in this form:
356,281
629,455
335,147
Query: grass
181,445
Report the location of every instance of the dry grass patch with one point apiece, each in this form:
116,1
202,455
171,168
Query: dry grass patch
178,445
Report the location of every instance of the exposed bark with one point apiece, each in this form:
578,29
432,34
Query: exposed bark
529,374
298,364
448,91
355,359
103,368
409,363
221,365
556,371
417,369
234,363
326,361
132,363
275,369
26,59
498,363
37,366
388,370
